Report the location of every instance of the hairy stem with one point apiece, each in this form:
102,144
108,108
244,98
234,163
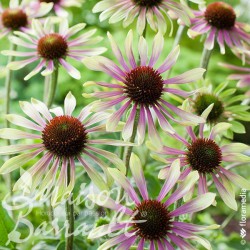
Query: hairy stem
70,218
52,87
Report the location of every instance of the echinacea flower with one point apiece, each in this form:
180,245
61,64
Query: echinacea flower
226,108
141,86
152,12
60,5
205,155
150,221
51,48
61,140
19,15
218,23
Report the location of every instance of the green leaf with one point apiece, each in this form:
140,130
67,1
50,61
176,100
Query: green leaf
234,99
6,226
220,88
226,93
237,127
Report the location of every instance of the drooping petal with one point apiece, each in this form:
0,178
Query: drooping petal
114,241
18,161
236,179
172,178
227,197
128,128
70,69
219,128
124,183
182,244
15,134
189,76
127,243
194,227
104,200
107,229
183,188
94,175
197,204
15,149
114,119
23,122
137,172
109,156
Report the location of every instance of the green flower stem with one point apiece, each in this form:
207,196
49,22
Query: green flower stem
206,55
177,204
47,80
128,151
227,220
8,82
52,86
70,218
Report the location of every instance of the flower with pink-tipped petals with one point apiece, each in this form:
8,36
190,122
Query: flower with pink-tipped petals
150,12
60,5
61,140
141,86
18,16
204,154
217,22
50,47
150,221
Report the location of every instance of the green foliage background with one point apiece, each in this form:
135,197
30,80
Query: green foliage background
226,238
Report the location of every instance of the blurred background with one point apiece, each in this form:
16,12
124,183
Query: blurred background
228,236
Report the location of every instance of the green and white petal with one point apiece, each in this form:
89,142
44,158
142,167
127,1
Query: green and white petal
102,199
204,242
94,175
41,108
173,176
30,111
197,204
235,148
23,122
15,149
61,186
15,134
218,129
69,104
18,161
183,188
109,156
236,179
122,180
225,194
137,172
235,157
